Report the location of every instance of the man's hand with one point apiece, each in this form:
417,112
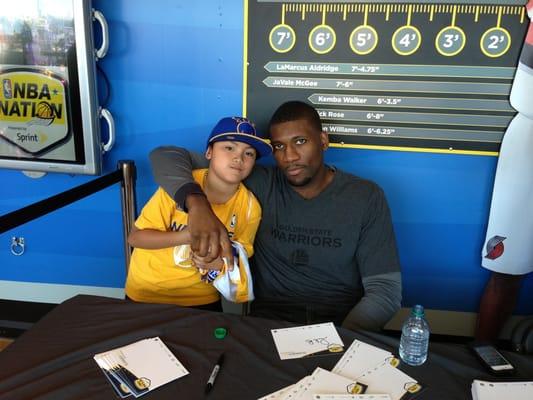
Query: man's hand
201,263
209,237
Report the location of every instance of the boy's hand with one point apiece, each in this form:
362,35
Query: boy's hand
209,237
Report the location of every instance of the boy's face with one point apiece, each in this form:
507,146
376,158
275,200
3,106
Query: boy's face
231,161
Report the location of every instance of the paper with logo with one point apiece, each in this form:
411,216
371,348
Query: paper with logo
120,389
351,397
308,340
360,357
140,367
385,378
483,390
322,381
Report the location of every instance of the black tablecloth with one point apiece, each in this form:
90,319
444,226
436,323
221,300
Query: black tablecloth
54,360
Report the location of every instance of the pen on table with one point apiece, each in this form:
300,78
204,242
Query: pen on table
214,373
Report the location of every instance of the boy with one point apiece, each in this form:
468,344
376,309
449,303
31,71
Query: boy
162,266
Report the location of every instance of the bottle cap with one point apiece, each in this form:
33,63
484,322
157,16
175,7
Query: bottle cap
418,310
220,333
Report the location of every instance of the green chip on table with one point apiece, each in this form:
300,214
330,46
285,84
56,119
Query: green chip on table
220,333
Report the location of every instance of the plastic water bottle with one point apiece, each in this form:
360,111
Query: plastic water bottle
415,338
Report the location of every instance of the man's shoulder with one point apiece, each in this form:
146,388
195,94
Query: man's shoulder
353,182
262,177
261,171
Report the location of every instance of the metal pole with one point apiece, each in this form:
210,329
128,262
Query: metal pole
129,203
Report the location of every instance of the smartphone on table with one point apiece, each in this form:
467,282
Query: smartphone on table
492,359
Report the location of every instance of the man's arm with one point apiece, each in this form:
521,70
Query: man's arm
172,168
382,299
379,265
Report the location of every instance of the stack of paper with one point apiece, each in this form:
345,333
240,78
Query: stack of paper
483,390
140,367
363,372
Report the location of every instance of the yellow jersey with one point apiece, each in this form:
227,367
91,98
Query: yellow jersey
153,276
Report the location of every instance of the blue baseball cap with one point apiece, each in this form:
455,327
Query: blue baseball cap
239,129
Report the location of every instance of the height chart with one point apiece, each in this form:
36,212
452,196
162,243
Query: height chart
421,76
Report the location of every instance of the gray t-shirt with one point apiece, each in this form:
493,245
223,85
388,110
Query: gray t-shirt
318,250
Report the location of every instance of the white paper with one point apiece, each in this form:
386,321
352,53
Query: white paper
302,341
483,390
322,382
294,389
359,358
384,378
351,397
147,359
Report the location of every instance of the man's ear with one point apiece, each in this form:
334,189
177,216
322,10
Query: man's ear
209,152
324,140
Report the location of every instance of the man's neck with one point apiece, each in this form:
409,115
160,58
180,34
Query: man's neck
317,185
217,191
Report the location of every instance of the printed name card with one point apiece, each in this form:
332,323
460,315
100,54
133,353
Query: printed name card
359,358
140,367
308,340
385,378
322,381
484,390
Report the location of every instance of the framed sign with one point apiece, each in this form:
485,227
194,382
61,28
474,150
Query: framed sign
48,103
419,76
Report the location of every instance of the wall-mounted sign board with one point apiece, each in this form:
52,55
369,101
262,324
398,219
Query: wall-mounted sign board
49,113
421,76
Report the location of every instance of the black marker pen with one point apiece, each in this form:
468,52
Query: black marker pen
214,373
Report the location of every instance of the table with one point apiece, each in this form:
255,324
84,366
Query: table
53,360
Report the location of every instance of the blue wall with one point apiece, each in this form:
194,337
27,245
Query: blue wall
175,67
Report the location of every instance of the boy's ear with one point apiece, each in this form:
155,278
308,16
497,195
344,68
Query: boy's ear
209,152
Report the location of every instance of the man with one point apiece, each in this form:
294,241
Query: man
325,249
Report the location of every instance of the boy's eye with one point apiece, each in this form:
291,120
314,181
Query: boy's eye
250,154
228,147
